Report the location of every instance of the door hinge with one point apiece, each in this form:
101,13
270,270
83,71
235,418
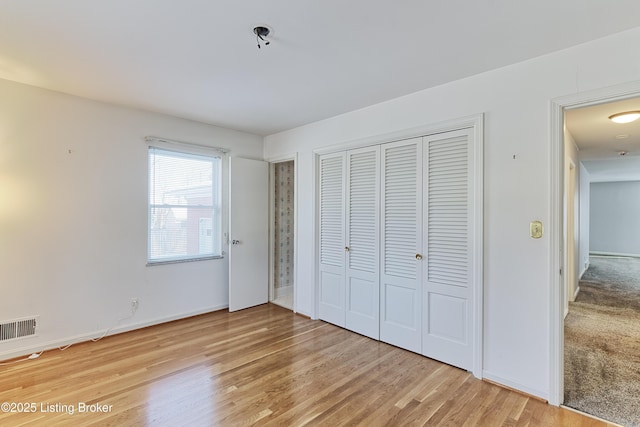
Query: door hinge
561,272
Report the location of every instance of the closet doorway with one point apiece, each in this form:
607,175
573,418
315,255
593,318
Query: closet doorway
399,240
283,232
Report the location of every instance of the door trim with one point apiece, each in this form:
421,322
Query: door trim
476,123
557,282
272,161
569,231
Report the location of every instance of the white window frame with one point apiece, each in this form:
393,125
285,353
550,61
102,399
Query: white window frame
186,150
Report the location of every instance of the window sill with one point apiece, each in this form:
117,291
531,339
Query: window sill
180,261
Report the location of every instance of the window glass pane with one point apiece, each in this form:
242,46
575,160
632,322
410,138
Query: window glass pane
180,180
184,205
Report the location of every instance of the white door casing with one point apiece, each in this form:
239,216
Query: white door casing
249,233
555,229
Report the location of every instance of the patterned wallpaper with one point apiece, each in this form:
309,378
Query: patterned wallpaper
283,234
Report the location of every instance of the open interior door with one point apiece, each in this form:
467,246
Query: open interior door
249,233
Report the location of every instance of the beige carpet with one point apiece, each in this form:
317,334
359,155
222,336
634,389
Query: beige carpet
602,342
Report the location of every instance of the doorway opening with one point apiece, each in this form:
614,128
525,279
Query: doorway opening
600,299
283,233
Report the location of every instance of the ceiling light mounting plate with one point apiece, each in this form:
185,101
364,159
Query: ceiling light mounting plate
261,31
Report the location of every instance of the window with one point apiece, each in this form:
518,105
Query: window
184,205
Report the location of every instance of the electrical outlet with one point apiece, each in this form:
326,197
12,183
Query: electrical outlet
135,303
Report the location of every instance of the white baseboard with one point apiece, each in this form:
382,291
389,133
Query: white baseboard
575,294
583,271
50,345
587,263
614,254
514,385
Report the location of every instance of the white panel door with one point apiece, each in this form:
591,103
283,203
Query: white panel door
332,239
363,237
448,245
249,233
401,272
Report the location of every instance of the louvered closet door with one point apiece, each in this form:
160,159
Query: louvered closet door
448,243
362,231
401,273
332,239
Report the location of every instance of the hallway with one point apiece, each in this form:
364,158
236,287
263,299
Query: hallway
602,342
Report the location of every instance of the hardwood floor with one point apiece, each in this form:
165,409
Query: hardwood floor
260,366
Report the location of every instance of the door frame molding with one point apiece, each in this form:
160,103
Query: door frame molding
570,225
557,262
474,122
272,161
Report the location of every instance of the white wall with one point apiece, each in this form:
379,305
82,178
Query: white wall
615,214
516,103
585,218
73,217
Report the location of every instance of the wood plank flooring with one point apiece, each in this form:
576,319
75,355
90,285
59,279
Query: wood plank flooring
261,366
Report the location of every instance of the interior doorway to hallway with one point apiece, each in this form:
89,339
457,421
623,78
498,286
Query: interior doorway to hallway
607,155
282,233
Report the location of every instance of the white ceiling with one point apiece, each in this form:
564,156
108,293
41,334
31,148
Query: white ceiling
601,141
198,59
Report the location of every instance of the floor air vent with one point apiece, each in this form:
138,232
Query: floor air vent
18,328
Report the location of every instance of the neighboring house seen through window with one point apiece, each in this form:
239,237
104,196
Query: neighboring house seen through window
184,206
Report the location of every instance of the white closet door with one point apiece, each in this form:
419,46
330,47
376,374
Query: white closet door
448,234
362,231
332,239
401,272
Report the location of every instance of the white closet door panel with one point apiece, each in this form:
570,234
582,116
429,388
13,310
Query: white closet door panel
400,278
332,298
332,210
448,234
362,230
332,239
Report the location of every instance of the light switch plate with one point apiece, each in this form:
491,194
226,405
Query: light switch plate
535,229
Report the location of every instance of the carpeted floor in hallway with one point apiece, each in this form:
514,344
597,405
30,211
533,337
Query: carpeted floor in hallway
602,342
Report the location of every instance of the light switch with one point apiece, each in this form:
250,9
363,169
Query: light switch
535,229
